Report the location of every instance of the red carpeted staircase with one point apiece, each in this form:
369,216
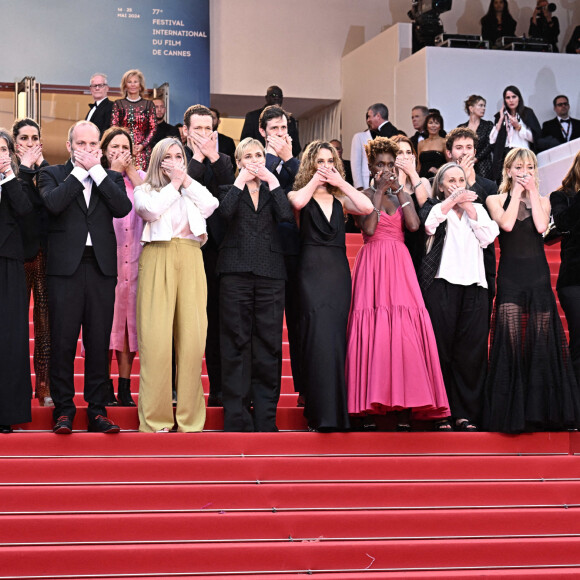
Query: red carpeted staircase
286,505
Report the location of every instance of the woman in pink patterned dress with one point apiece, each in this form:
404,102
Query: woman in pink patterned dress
137,115
392,363
117,155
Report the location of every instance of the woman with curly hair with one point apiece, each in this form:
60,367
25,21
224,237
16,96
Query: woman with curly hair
320,200
137,115
392,363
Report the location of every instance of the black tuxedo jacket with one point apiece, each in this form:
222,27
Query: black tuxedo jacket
553,129
102,116
227,146
251,243
251,128
14,202
389,130
70,220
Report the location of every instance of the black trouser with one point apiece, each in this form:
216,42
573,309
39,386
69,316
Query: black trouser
212,343
461,324
251,318
86,299
570,301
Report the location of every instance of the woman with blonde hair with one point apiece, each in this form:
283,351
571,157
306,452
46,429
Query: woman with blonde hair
252,281
530,384
137,115
320,200
172,291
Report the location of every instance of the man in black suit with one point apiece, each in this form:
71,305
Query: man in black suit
225,144
345,162
378,121
460,148
101,109
212,169
163,129
251,128
561,128
418,117
82,199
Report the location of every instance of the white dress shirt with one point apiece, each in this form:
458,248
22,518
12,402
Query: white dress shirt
462,255
95,174
521,138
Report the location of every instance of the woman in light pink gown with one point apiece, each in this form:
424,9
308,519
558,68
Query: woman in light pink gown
118,155
392,362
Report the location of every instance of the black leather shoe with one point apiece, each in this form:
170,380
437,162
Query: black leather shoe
63,426
5,429
101,424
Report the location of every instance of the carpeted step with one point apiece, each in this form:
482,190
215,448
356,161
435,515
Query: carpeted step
276,556
301,526
403,498
289,469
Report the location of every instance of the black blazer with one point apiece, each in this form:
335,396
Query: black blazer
251,243
70,220
566,212
553,130
13,202
211,176
163,131
531,121
33,226
227,146
389,130
251,128
102,116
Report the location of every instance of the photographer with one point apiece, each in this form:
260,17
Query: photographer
543,25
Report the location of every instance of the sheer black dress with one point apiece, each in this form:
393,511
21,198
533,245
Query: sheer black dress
530,384
325,290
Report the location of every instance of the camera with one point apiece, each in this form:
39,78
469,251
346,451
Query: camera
551,9
426,22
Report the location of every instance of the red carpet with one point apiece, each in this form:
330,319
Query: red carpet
287,505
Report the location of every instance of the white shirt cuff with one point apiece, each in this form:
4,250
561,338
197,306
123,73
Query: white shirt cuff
97,173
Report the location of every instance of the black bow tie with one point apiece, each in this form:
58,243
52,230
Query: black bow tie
565,121
91,105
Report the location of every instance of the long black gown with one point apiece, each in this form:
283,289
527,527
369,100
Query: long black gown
530,383
325,290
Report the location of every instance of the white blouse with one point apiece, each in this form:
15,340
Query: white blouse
521,138
174,214
462,255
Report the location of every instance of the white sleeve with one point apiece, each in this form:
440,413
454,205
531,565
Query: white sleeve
201,197
435,217
151,204
484,228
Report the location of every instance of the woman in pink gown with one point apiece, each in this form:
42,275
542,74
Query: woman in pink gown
117,155
392,362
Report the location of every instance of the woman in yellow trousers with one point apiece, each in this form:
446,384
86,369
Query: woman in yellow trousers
172,291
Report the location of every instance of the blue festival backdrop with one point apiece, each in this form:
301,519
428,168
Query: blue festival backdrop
65,41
